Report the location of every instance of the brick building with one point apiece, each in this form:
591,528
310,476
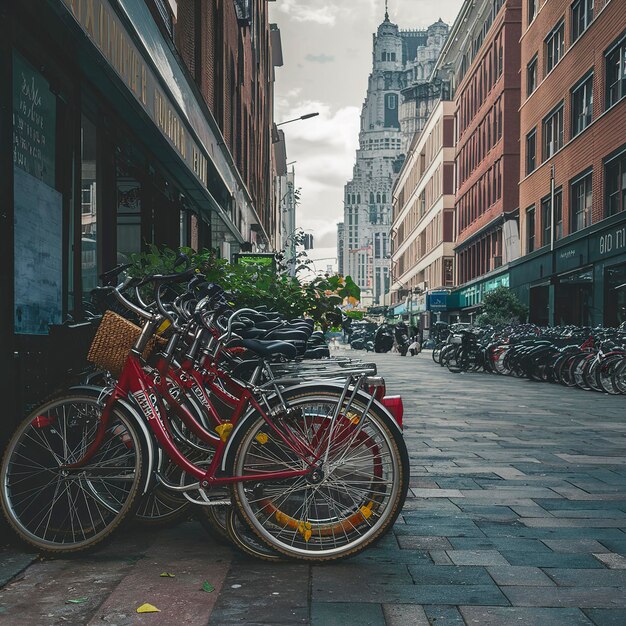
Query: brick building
573,162
226,46
481,59
123,123
422,230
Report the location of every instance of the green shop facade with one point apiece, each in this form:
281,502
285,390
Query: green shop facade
582,281
106,146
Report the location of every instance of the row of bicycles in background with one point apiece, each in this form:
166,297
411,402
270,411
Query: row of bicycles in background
237,416
593,359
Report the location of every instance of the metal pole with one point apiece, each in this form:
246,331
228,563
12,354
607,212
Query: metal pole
551,208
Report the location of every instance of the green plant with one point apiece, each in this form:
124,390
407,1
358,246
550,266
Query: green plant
501,307
253,285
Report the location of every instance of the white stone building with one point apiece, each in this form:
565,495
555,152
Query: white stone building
397,57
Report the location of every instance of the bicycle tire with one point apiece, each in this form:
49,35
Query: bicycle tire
54,434
316,537
246,541
213,520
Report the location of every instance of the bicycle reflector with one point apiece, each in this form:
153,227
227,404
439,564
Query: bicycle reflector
376,386
394,405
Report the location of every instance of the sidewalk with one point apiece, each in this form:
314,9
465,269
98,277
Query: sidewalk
516,515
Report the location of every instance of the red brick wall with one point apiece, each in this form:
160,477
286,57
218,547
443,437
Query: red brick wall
488,169
232,68
607,131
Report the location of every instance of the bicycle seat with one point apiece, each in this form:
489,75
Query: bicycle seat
269,348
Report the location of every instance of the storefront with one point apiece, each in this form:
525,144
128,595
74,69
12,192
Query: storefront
582,282
105,148
465,303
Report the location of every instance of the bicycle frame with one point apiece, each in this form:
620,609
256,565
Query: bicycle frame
136,382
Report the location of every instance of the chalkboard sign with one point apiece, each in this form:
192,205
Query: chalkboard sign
34,121
38,255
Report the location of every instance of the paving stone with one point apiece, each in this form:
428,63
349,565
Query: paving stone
449,575
440,557
477,557
593,578
614,545
436,493
574,545
607,617
520,616
554,559
519,575
403,614
443,616
13,562
612,560
342,613
554,522
410,542
583,597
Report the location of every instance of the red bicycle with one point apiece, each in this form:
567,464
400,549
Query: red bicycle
317,471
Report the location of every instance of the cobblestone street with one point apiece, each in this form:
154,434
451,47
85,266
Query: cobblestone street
516,515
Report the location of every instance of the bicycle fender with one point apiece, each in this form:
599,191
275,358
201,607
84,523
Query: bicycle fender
132,412
312,386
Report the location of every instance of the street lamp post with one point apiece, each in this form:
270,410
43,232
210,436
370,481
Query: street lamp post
297,119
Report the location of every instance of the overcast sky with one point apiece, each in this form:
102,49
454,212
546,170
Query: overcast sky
327,49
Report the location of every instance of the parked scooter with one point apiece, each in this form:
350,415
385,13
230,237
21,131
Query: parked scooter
383,338
401,335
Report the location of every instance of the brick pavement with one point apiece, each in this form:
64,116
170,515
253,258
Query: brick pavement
517,514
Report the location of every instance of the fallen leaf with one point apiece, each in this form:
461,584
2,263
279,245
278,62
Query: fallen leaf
77,600
167,575
148,608
207,586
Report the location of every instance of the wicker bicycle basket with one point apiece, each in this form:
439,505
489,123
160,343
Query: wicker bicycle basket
113,341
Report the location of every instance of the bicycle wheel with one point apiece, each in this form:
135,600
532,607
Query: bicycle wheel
213,520
61,510
246,541
351,503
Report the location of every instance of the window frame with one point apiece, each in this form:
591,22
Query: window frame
582,178
620,161
587,15
559,29
618,47
532,134
554,113
532,64
586,83
530,232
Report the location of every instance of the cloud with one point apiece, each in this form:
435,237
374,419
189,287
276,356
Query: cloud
298,10
320,58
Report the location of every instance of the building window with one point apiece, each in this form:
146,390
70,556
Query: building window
582,15
546,218
581,200
616,74
554,46
553,132
582,105
532,10
531,76
531,151
615,176
530,229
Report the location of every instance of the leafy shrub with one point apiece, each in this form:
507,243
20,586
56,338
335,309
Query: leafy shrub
501,307
252,285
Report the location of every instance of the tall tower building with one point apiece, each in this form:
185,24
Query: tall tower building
397,60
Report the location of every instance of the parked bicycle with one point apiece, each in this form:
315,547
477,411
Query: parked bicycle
200,405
